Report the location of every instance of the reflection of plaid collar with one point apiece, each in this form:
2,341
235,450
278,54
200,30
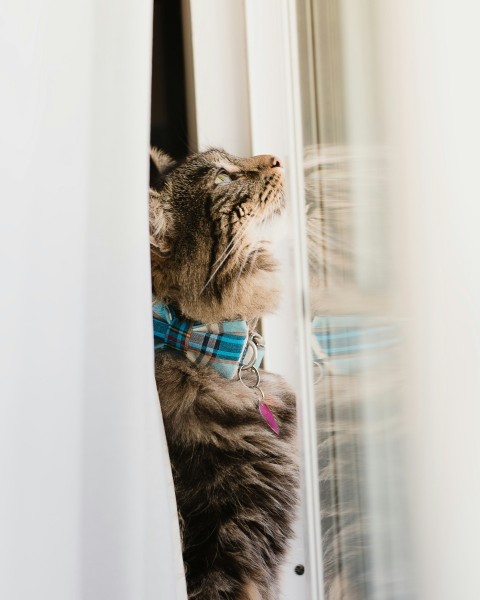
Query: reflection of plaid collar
347,344
225,346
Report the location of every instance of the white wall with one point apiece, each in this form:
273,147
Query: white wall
432,88
86,508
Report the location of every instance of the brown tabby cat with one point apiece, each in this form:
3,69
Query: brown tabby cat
235,479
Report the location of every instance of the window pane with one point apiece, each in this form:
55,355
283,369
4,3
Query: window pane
356,341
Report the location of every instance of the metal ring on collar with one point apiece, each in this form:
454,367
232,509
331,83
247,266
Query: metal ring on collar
262,395
251,344
253,370
257,339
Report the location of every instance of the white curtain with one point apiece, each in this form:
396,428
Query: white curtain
86,502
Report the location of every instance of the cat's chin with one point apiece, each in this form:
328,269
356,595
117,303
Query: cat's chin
248,299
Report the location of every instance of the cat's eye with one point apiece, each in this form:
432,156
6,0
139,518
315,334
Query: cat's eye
222,177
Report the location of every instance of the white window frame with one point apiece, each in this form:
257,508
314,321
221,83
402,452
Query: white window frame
243,90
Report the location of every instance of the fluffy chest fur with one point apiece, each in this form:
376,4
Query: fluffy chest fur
235,480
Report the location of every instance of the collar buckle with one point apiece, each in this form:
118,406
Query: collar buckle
255,345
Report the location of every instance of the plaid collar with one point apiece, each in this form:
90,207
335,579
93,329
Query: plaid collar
225,346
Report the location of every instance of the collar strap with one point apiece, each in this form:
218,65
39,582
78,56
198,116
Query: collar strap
225,346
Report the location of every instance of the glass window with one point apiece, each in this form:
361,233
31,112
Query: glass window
356,341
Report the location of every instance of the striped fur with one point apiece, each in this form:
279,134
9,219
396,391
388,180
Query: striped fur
235,481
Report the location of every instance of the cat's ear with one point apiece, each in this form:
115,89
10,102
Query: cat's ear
160,165
161,225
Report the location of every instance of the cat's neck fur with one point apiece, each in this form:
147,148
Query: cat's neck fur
248,299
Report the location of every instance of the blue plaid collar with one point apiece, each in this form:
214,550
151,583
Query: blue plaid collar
225,346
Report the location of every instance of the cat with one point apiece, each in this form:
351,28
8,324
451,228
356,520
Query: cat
235,473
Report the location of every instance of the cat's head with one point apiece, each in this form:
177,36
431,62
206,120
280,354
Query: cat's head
209,221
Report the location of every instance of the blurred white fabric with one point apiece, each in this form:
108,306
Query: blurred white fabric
87,507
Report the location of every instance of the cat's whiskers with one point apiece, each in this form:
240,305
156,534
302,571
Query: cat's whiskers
231,247
233,244
252,254
241,231
248,254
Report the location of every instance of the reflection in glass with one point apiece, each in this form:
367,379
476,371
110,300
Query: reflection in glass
356,343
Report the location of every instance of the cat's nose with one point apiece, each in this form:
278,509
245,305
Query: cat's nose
268,161
276,162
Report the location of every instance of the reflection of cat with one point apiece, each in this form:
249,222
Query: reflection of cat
212,274
356,406
329,216
334,176
355,347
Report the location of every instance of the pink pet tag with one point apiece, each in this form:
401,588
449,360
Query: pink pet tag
268,416
262,406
